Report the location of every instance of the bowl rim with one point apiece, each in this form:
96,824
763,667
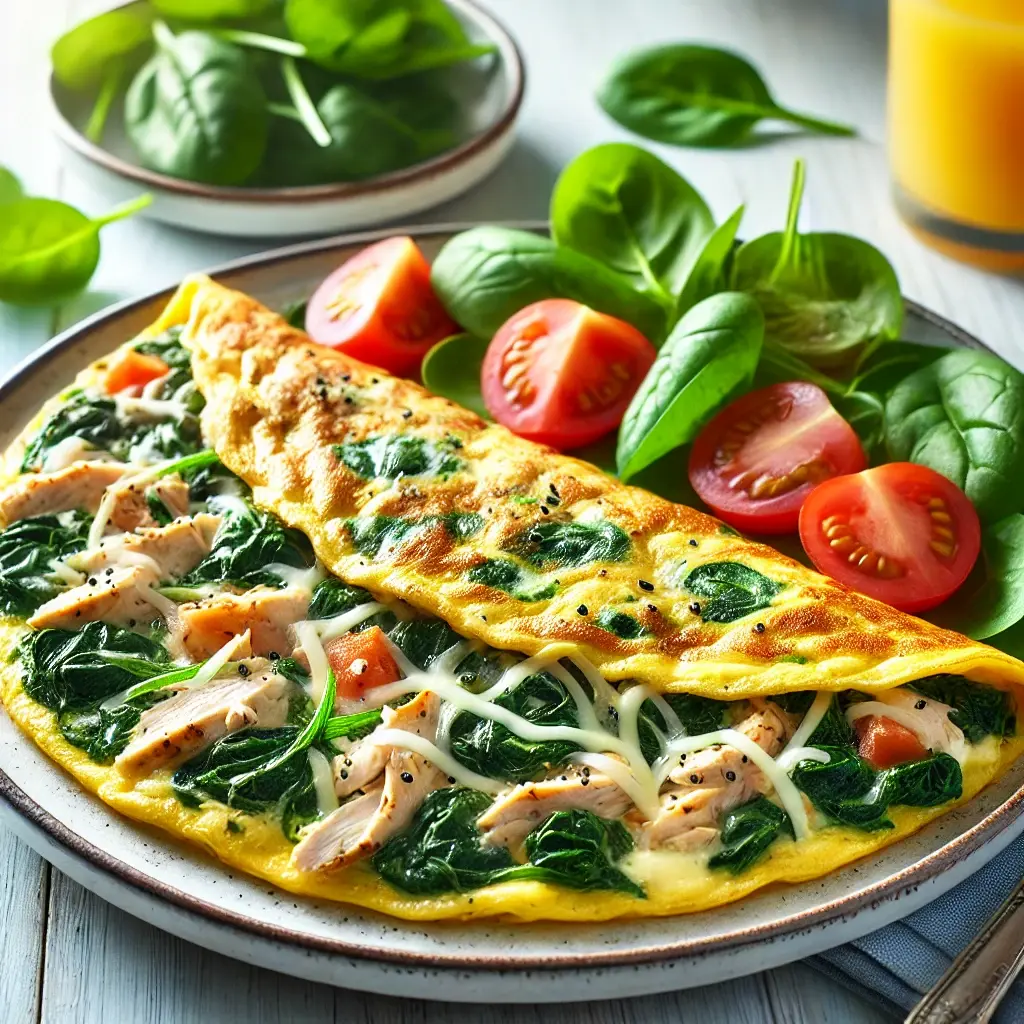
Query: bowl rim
890,888
509,53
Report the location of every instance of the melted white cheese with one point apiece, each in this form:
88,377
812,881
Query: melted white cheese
323,782
309,640
422,746
929,723
328,629
815,713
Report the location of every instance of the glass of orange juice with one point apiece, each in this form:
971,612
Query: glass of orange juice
956,125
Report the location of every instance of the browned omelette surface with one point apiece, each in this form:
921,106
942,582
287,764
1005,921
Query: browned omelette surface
282,411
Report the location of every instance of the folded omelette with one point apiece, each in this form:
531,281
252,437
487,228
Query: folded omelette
352,639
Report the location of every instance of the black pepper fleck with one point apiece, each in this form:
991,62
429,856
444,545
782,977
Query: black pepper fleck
582,610
407,777
695,608
645,585
693,543
731,776
759,628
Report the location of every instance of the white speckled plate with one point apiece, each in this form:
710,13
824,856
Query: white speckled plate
181,890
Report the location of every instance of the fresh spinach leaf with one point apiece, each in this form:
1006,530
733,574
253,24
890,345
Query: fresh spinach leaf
197,110
82,57
285,788
571,544
212,10
332,597
890,363
624,626
710,354
452,368
380,39
485,275
490,748
354,727
248,542
991,599
10,188
393,455
731,590
27,548
441,850
978,710
709,273
49,251
690,95
865,412
850,792
514,579
746,833
963,416
828,298
579,850
627,209
295,313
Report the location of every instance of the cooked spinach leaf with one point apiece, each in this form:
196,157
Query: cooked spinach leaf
514,579
391,456
249,541
73,672
624,626
441,850
381,536
746,833
423,640
168,347
577,849
353,727
571,544
731,590
95,421
332,597
697,715
978,710
490,748
963,416
848,790
452,369
27,547
287,788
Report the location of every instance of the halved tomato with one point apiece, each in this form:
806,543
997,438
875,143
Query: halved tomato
379,307
755,463
563,374
901,533
360,662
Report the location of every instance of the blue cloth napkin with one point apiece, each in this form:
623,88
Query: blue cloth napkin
899,963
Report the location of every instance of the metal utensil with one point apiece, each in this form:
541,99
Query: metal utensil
973,987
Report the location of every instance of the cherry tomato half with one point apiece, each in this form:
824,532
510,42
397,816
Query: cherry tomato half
563,374
901,533
379,308
759,458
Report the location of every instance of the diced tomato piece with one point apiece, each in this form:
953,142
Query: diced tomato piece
883,742
361,661
131,369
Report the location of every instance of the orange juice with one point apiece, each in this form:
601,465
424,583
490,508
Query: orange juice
956,125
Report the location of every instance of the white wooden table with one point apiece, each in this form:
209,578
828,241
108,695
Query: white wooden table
67,956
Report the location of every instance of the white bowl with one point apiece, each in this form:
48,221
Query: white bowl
492,103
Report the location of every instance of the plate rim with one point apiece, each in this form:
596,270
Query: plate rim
887,889
509,52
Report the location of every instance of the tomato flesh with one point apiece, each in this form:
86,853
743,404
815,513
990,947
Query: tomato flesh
380,308
901,533
755,463
562,374
130,369
884,743
361,661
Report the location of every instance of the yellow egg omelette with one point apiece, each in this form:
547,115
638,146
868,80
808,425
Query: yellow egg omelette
352,639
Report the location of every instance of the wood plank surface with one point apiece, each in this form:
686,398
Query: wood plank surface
69,957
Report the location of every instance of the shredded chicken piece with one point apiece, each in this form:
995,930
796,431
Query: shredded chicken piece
119,596
80,485
175,549
175,729
707,783
207,625
515,814
131,509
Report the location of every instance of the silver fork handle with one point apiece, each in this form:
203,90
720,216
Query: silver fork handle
973,987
